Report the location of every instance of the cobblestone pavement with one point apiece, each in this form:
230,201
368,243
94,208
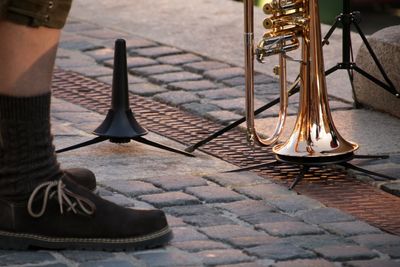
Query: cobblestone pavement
239,220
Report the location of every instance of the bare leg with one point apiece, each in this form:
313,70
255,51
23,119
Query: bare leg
27,59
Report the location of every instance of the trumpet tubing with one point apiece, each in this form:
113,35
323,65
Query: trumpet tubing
314,134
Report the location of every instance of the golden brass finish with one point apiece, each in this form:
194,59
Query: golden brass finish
314,135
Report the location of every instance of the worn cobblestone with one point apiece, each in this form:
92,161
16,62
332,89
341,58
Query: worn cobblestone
373,263
376,240
218,94
345,253
179,59
392,251
138,42
350,228
176,182
192,85
267,217
325,215
250,241
199,245
183,234
244,264
295,203
191,210
132,80
21,258
104,34
222,256
160,258
169,199
226,232
288,228
80,27
132,188
146,89
316,241
205,66
176,98
155,69
111,263
212,194
199,108
236,179
205,220
305,263
80,44
157,51
265,191
241,208
175,77
101,54
223,74
93,71
120,200
280,251
222,116
133,62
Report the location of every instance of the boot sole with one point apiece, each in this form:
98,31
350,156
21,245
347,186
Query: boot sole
24,241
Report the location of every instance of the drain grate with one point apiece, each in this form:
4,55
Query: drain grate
333,187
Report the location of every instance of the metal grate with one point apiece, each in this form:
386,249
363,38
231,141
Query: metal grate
333,187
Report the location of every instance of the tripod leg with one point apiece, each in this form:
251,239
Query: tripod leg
375,80
391,88
331,70
257,166
300,176
87,143
325,41
161,146
293,90
382,177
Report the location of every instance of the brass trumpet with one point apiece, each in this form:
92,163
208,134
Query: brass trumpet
314,137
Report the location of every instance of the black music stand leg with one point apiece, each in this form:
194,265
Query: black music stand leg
299,177
145,141
257,166
382,177
87,143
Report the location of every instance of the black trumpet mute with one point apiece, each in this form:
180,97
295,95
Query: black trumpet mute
120,125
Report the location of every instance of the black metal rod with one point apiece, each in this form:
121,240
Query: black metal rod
371,156
161,146
382,177
376,81
87,143
299,177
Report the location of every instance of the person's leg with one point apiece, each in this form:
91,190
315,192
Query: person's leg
39,204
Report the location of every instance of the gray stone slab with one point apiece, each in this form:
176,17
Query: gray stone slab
176,98
205,220
173,77
244,264
295,203
22,258
325,215
157,51
289,228
183,234
305,263
110,263
377,240
179,59
191,210
134,62
267,217
373,263
223,93
193,85
93,71
101,54
224,74
222,116
226,232
146,89
199,245
213,194
393,251
250,241
346,253
120,200
131,188
265,191
160,258
199,108
169,199
241,208
316,241
236,179
222,256
280,251
203,66
155,69
176,182
350,228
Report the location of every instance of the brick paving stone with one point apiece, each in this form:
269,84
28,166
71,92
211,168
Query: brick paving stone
376,240
222,256
393,251
325,215
93,71
176,98
183,234
246,207
350,228
174,77
345,253
205,66
199,108
280,251
250,241
176,182
164,258
175,221
82,256
265,191
192,85
199,245
294,204
111,263
133,62
222,116
222,93
103,34
169,199
205,220
213,194
132,188
373,263
120,200
305,263
315,241
157,51
267,217
236,179
179,59
284,229
146,89
155,69
22,258
138,42
223,74
226,232
101,54
191,210
244,264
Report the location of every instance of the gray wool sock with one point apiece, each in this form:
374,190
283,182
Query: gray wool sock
27,155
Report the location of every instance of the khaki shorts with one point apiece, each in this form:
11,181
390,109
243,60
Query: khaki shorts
36,13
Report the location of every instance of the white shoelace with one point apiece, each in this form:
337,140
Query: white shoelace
64,197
